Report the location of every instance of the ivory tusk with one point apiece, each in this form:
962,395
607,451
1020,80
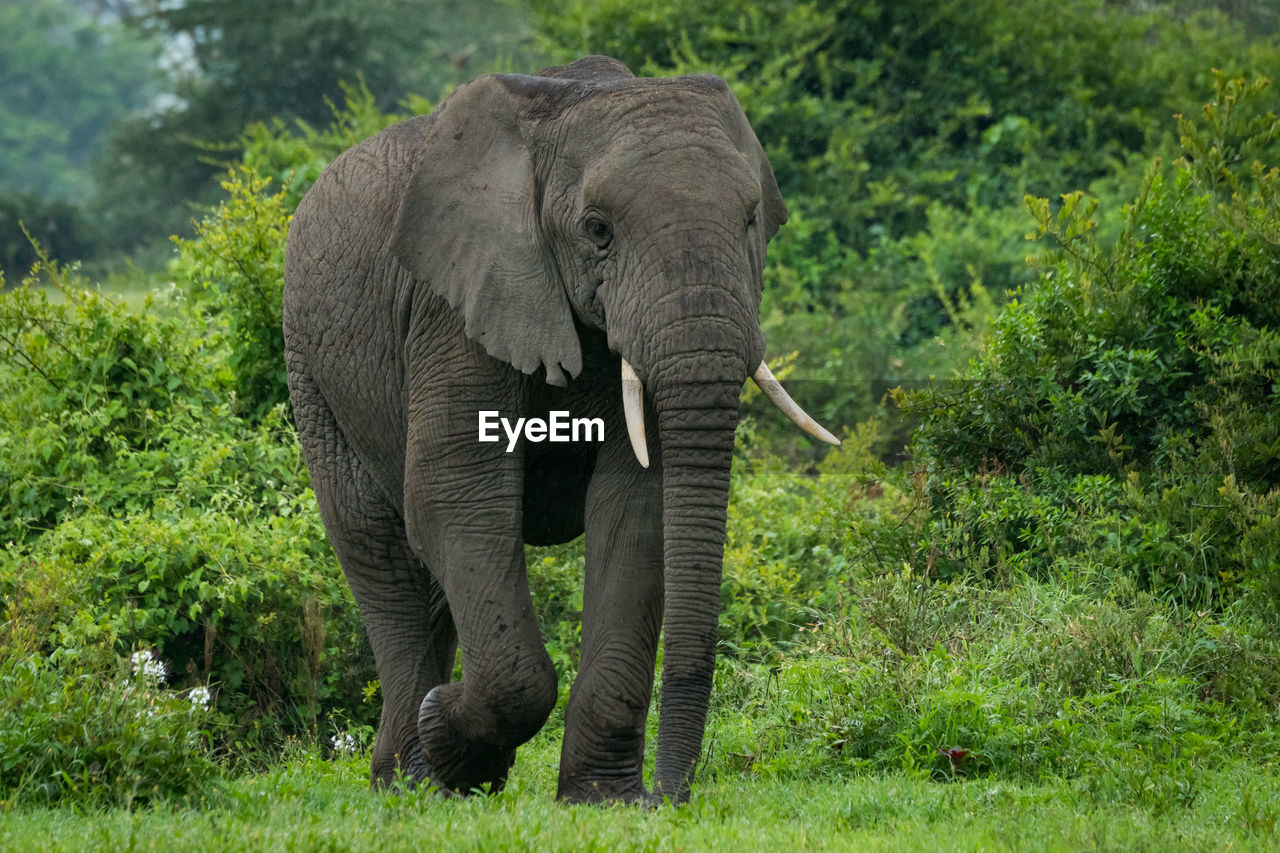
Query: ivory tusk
773,389
633,408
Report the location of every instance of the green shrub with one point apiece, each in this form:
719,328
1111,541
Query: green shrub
257,608
1125,414
958,680
904,310
788,547
234,269
141,511
88,383
99,737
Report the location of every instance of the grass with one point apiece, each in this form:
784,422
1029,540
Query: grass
307,803
1091,726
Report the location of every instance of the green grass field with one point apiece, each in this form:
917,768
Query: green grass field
307,803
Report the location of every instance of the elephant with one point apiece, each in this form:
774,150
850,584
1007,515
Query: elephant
577,240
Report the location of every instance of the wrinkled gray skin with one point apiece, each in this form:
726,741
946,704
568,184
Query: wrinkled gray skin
503,253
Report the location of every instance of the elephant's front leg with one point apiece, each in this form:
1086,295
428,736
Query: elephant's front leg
463,513
603,754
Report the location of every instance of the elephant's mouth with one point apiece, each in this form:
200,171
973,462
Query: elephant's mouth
633,408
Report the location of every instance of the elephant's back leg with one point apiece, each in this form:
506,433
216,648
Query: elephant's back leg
403,609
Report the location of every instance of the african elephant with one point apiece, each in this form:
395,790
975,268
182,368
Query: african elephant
518,250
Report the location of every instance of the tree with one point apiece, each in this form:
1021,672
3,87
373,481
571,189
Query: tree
256,60
66,78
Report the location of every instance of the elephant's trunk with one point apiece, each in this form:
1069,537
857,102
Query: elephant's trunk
696,421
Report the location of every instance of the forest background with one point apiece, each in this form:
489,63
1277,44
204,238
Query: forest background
1032,270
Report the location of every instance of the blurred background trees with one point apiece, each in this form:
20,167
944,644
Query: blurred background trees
243,61
119,115
66,77
126,111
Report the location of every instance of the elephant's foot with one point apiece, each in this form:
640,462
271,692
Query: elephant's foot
405,770
417,773
458,764
603,764
609,791
398,768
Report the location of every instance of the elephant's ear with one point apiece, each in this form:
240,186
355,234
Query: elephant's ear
773,211
468,227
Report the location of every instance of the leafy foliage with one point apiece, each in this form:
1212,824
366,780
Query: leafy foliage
98,738
886,102
238,259
89,385
1145,373
142,511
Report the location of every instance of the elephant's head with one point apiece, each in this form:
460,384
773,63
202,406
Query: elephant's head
643,208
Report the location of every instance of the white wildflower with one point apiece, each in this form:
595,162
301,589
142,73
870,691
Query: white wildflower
149,666
200,697
345,743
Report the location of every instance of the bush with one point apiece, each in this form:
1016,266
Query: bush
904,310
76,733
959,680
1125,413
788,549
89,384
237,260
142,511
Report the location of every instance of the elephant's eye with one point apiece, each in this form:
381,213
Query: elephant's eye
597,229
751,222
